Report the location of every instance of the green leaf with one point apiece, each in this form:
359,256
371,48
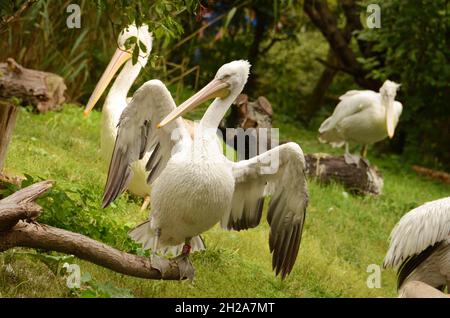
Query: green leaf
86,277
130,42
135,55
142,46
54,263
230,16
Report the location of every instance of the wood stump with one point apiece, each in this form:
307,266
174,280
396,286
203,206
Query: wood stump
361,178
44,91
8,116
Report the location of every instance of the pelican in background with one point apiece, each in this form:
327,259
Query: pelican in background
194,186
420,246
363,117
117,100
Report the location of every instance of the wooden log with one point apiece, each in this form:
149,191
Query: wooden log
361,178
44,91
18,228
433,174
8,116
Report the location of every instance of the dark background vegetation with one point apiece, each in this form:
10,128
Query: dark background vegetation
304,54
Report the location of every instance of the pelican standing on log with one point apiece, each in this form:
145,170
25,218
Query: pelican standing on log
363,117
117,100
194,186
420,245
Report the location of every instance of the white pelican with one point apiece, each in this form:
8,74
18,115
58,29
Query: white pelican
420,245
363,117
194,186
116,101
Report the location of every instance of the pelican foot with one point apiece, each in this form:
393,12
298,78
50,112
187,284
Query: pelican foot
351,159
365,161
146,203
185,266
160,263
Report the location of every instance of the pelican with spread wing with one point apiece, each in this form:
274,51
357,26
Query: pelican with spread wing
194,186
420,245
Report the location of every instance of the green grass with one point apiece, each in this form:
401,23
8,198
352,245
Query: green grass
342,236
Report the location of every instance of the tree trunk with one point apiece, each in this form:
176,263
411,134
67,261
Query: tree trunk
8,116
361,178
338,39
44,91
253,55
18,227
316,100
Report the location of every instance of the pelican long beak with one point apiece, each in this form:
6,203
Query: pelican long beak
119,57
215,88
390,118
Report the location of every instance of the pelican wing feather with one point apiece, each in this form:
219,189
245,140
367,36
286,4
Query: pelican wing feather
258,177
418,229
137,134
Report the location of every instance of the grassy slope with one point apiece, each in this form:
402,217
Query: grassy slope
342,236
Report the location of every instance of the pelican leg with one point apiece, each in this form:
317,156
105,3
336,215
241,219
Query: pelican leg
158,262
145,203
348,157
363,151
184,263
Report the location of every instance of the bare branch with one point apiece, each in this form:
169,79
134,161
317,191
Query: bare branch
272,42
5,21
41,236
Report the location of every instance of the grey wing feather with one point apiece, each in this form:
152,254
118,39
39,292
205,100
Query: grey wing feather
287,207
137,134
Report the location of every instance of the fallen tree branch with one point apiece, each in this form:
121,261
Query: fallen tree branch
18,229
433,174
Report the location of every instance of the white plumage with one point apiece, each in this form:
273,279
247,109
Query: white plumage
420,244
363,117
117,100
194,186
